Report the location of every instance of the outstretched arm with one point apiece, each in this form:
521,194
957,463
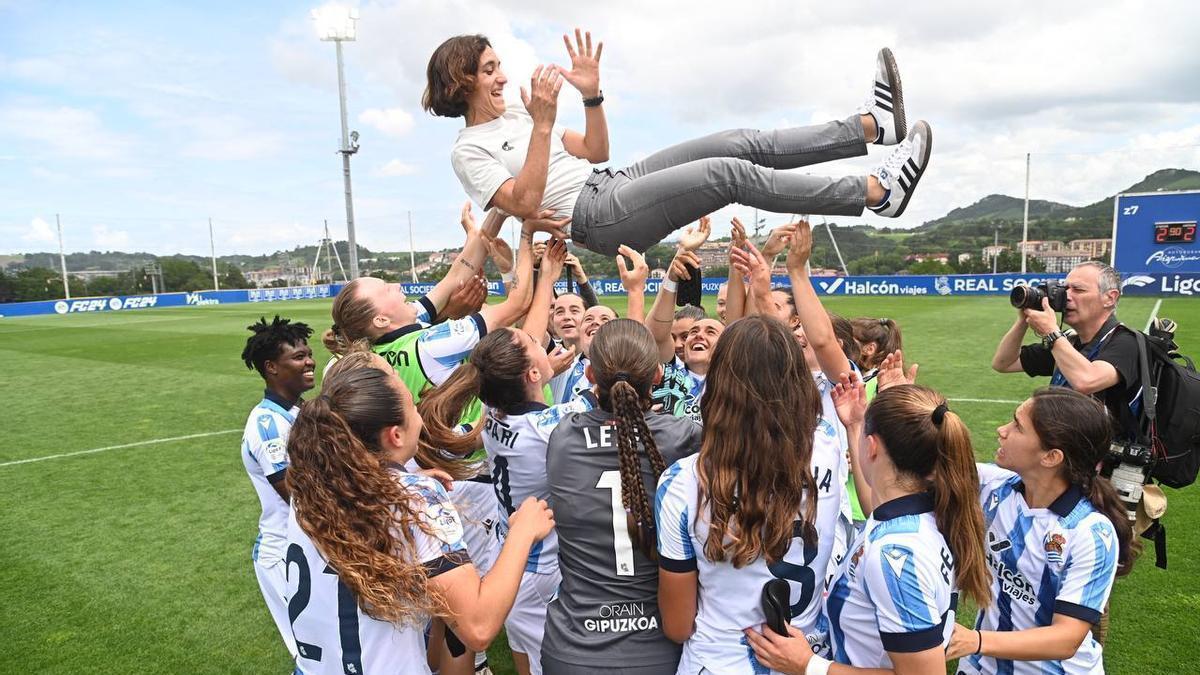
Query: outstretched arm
538,317
735,290
662,314
522,196
507,312
470,261
584,75
634,281
818,329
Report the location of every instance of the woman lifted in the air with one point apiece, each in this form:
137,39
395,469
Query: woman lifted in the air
520,162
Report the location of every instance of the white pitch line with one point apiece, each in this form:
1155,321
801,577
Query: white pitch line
118,447
982,400
1153,314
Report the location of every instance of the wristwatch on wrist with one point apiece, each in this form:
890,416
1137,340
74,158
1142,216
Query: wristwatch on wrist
1051,338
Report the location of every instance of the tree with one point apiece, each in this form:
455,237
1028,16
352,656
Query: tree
231,277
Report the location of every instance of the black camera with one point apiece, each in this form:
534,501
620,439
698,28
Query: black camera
1030,297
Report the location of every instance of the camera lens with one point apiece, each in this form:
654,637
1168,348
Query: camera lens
1025,297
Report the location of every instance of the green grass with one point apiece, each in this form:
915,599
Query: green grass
138,559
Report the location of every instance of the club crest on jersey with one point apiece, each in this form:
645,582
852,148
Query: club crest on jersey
1054,544
444,521
855,558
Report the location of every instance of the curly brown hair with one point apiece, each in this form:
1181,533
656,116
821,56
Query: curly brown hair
760,411
450,75
346,500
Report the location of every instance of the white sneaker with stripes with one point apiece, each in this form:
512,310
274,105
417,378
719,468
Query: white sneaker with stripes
902,170
886,102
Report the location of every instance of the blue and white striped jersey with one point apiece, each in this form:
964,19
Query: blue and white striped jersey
1057,560
333,635
572,382
516,450
729,598
895,590
264,454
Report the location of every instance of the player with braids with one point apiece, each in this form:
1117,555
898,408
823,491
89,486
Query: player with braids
1053,525
744,511
892,602
602,467
280,353
373,550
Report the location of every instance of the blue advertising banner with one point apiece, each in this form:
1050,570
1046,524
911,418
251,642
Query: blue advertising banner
1174,284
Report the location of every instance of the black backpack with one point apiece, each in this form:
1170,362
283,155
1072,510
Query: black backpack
1170,415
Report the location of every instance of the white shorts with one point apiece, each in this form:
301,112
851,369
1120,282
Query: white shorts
526,623
480,512
272,580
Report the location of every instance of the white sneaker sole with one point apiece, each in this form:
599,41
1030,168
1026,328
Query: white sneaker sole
897,94
912,170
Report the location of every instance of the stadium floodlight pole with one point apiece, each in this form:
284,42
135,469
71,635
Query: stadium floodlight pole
336,24
212,249
62,258
1025,228
995,249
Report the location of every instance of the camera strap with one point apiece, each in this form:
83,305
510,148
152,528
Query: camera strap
1060,380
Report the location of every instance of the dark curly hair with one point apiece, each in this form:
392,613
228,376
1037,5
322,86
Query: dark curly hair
269,338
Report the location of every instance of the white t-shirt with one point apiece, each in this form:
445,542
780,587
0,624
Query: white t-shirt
896,591
486,155
264,454
333,635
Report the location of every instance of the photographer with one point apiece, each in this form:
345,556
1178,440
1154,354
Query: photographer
1098,359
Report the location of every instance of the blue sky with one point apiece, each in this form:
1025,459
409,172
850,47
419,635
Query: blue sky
140,121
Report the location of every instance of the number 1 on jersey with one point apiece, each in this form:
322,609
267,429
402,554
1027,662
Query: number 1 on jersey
622,544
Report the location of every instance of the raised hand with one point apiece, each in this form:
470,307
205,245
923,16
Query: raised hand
584,74
492,222
466,299
500,252
634,278
576,267
891,371
542,103
850,399
552,259
467,220
737,236
678,271
561,359
546,222
778,240
749,261
695,235
801,247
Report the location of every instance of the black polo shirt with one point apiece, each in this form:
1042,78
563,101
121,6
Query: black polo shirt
1114,344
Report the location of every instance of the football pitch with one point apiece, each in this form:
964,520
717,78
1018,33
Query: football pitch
128,519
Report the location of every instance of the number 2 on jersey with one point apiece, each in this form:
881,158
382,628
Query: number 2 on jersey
347,613
622,544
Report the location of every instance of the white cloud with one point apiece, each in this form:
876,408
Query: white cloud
106,239
394,122
65,130
397,168
40,232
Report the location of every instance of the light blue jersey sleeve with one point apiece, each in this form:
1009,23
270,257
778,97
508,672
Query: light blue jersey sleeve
673,504
1088,569
443,347
909,591
440,545
268,446
426,312
546,421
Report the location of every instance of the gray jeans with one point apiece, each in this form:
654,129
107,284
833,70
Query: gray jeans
643,203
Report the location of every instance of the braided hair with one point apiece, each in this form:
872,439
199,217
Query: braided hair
268,340
624,362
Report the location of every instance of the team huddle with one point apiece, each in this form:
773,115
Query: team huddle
767,490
